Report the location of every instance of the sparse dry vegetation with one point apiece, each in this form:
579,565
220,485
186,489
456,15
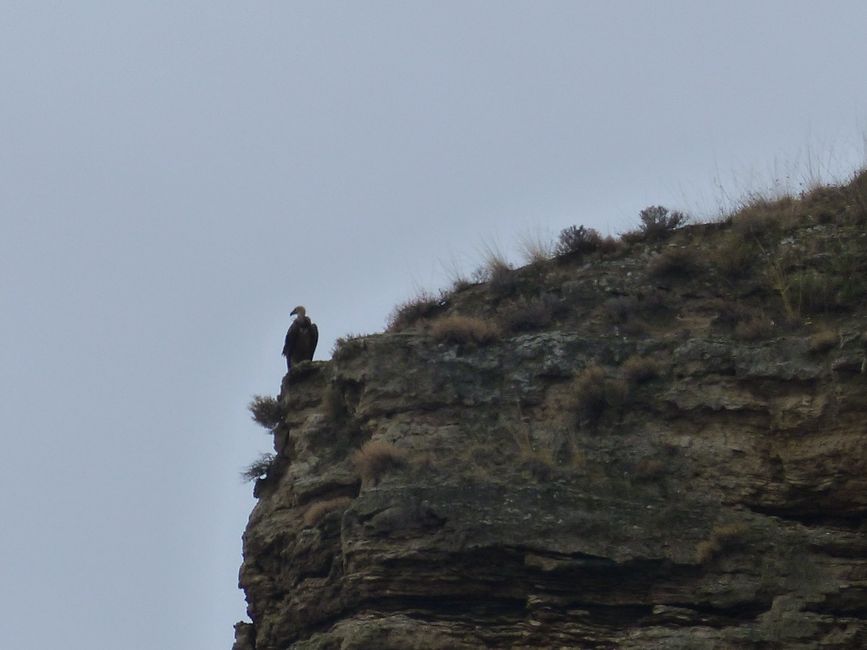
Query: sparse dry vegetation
722,536
640,370
823,340
535,249
596,392
754,327
376,458
524,315
259,468
317,511
657,222
577,241
464,329
422,307
679,262
266,411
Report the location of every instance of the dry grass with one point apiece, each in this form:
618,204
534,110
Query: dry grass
266,411
639,370
649,469
497,271
620,309
535,249
424,306
677,262
464,329
857,191
823,340
762,219
722,536
733,255
595,393
754,328
317,511
524,315
376,458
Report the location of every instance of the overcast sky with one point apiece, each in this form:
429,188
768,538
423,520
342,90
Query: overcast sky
176,176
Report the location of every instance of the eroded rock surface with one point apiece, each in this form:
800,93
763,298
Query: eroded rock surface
718,503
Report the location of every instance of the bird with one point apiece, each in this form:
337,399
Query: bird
301,339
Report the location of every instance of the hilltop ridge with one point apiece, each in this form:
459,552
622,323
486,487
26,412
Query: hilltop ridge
651,442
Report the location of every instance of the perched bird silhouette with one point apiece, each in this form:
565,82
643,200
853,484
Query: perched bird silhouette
301,339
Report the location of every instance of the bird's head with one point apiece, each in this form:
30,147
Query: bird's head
299,311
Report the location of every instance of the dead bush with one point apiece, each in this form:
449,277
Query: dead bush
259,468
376,458
656,224
464,329
317,511
577,241
266,411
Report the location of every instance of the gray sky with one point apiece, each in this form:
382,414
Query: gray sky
176,176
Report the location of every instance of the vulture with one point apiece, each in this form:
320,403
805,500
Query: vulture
301,338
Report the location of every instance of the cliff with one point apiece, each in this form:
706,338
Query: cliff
657,442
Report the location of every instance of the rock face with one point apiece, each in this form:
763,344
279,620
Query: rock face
659,458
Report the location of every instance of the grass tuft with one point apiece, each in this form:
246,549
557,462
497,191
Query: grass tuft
376,458
266,411
464,329
259,468
424,306
317,511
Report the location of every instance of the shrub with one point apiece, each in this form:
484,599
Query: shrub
761,219
464,329
734,256
348,346
527,315
266,411
857,189
656,223
423,306
639,370
674,262
578,241
317,511
376,458
595,392
498,273
620,309
259,468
